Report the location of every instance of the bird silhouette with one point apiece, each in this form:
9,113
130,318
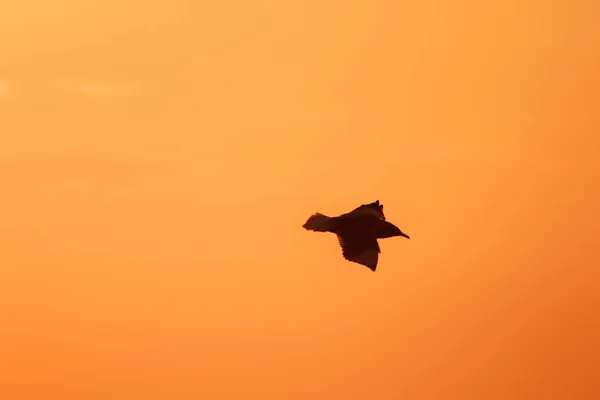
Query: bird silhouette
357,232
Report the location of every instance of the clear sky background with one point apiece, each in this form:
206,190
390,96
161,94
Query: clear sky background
158,159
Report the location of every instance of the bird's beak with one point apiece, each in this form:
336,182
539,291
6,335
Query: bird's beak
405,235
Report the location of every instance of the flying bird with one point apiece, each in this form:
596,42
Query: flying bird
357,232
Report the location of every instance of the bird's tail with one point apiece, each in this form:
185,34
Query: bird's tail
319,223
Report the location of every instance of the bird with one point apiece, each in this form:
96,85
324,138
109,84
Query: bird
357,232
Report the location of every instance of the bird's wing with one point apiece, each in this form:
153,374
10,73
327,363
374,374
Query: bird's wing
359,246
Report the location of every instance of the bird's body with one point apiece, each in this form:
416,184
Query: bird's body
357,232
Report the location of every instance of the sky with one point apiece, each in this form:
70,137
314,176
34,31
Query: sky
158,159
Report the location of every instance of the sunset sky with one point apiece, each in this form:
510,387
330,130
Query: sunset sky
158,159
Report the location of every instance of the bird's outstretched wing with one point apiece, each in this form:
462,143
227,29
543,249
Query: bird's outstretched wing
359,246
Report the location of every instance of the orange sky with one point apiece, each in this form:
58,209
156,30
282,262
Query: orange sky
158,158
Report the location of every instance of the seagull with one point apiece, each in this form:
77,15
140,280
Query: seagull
357,232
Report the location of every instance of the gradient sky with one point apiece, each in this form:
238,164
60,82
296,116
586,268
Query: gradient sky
158,158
